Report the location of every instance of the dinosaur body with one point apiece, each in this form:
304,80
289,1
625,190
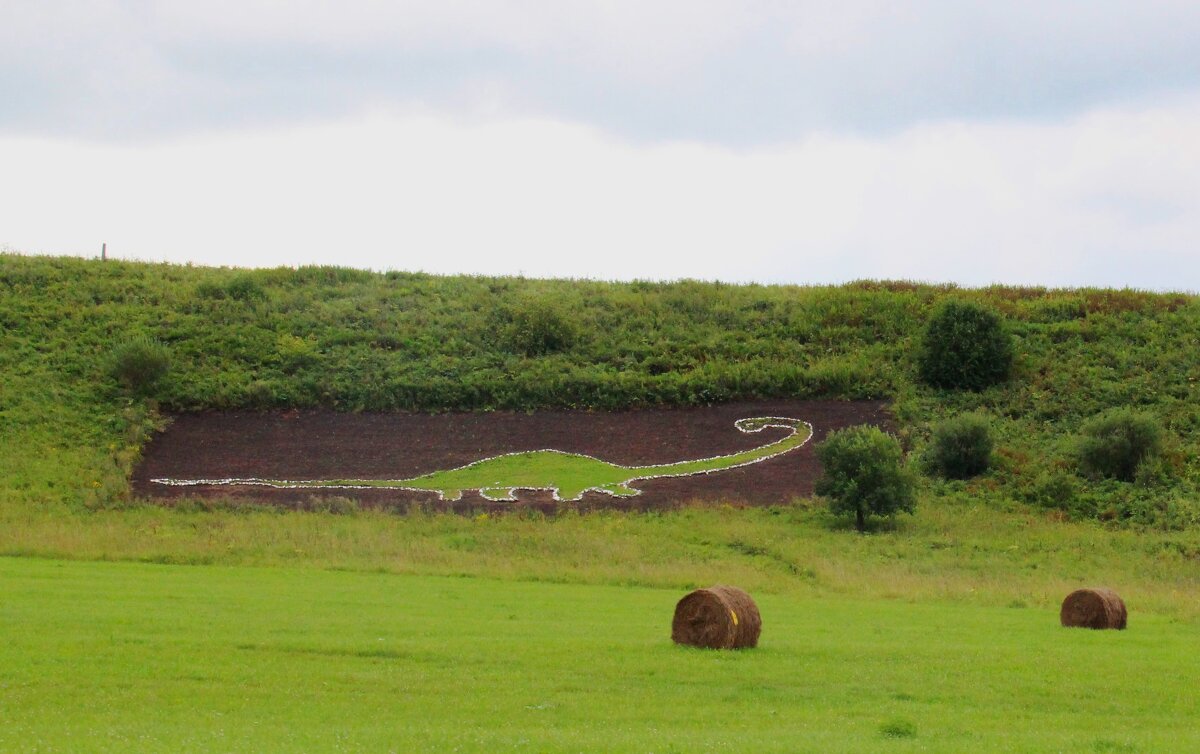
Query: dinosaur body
567,475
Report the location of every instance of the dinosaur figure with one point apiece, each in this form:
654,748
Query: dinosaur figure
566,475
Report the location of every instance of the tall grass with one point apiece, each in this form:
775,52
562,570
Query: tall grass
956,551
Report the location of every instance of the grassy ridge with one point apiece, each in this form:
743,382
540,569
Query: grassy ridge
304,660
356,340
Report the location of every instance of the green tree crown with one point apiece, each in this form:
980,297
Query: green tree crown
961,447
965,348
1116,443
864,474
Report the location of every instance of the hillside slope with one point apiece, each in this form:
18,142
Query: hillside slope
354,340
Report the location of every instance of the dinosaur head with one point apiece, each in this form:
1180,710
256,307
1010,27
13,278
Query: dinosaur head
759,423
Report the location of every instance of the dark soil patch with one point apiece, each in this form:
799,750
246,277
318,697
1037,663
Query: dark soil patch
329,445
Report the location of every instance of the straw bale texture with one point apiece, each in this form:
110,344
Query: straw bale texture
720,617
1093,608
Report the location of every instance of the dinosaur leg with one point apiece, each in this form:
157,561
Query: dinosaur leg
450,496
568,493
498,494
620,490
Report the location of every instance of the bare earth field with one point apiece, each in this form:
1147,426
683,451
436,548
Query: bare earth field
327,445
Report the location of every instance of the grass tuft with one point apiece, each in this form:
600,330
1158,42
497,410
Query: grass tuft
898,729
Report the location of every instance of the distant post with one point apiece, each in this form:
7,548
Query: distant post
103,252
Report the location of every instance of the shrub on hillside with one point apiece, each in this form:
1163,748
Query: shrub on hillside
1054,488
1117,443
864,474
537,327
294,353
140,364
245,288
239,288
965,347
961,447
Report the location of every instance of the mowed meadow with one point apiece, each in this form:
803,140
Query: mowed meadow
229,625
123,657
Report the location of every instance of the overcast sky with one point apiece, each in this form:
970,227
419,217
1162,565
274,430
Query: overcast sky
1051,143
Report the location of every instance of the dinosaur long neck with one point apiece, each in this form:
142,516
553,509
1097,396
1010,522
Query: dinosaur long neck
800,433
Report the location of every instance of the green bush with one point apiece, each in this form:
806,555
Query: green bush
140,364
537,327
245,288
961,447
899,729
1053,488
294,353
965,348
1117,443
864,474
239,288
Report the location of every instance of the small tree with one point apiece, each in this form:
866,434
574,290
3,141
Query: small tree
139,364
1115,444
965,348
864,474
961,447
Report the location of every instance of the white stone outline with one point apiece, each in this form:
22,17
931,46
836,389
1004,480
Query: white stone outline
317,484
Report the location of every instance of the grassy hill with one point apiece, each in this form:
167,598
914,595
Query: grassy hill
354,340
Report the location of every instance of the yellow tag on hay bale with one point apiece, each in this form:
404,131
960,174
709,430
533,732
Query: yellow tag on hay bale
734,616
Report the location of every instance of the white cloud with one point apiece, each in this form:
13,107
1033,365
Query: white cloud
622,35
725,71
1111,197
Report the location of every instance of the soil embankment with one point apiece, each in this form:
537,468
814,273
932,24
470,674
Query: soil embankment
300,445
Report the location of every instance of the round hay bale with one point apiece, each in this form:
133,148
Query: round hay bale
1093,608
720,617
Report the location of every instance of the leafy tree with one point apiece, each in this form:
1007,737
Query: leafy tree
965,348
864,474
961,447
1117,443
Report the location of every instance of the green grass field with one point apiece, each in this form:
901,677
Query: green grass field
252,630
146,657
